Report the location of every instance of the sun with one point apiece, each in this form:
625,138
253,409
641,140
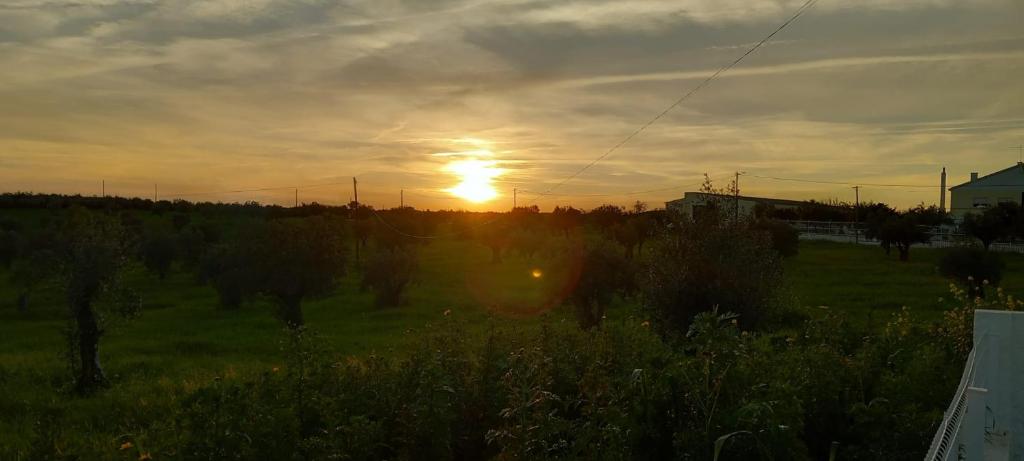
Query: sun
475,179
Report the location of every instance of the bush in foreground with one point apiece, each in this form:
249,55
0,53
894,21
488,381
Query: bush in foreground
973,267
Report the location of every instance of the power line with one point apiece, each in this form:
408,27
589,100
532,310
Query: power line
800,11
839,183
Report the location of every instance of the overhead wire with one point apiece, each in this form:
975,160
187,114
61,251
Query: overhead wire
799,12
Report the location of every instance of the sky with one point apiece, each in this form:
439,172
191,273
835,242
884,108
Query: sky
215,95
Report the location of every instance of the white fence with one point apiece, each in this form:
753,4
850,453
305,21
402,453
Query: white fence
941,236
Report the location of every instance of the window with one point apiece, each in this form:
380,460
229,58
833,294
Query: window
981,202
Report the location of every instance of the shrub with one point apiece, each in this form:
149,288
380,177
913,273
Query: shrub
973,267
785,239
707,263
387,273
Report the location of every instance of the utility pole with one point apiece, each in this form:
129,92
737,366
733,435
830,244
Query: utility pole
296,197
156,195
355,189
856,215
736,191
401,198
514,192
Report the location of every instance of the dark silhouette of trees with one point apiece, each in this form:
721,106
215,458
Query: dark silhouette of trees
495,235
527,242
296,259
605,217
158,251
566,219
993,224
604,271
229,270
388,273
904,229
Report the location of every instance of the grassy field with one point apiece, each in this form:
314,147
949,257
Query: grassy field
182,340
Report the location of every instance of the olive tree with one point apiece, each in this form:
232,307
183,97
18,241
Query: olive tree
87,259
603,272
296,259
158,251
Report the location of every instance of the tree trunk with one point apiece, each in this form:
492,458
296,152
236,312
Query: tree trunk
23,302
904,252
291,313
91,373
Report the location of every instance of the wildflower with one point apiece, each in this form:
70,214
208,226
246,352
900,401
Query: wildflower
127,445
145,456
646,324
447,312
275,369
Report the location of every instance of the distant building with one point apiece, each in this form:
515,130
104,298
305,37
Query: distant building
1004,186
693,202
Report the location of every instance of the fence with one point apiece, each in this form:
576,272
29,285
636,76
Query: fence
940,236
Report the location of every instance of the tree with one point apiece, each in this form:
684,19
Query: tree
566,219
387,273
993,224
190,245
10,247
362,229
88,256
603,273
495,235
296,259
229,268
707,263
527,243
605,217
902,229
628,235
180,220
158,252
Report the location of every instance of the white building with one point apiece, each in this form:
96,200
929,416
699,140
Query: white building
987,191
692,203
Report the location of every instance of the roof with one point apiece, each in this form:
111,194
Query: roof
766,200
1019,166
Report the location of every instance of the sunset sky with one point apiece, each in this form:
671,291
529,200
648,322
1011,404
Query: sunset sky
215,95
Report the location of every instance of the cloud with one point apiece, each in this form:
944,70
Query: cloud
236,94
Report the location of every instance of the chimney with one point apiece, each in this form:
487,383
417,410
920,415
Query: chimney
974,176
942,190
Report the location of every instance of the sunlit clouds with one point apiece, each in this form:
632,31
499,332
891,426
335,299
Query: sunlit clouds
218,95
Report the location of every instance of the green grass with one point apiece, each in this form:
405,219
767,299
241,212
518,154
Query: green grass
183,340
862,281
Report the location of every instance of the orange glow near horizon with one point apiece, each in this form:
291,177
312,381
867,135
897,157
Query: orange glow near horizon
475,179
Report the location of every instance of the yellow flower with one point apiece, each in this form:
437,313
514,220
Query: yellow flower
447,312
145,456
127,445
646,324
275,369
